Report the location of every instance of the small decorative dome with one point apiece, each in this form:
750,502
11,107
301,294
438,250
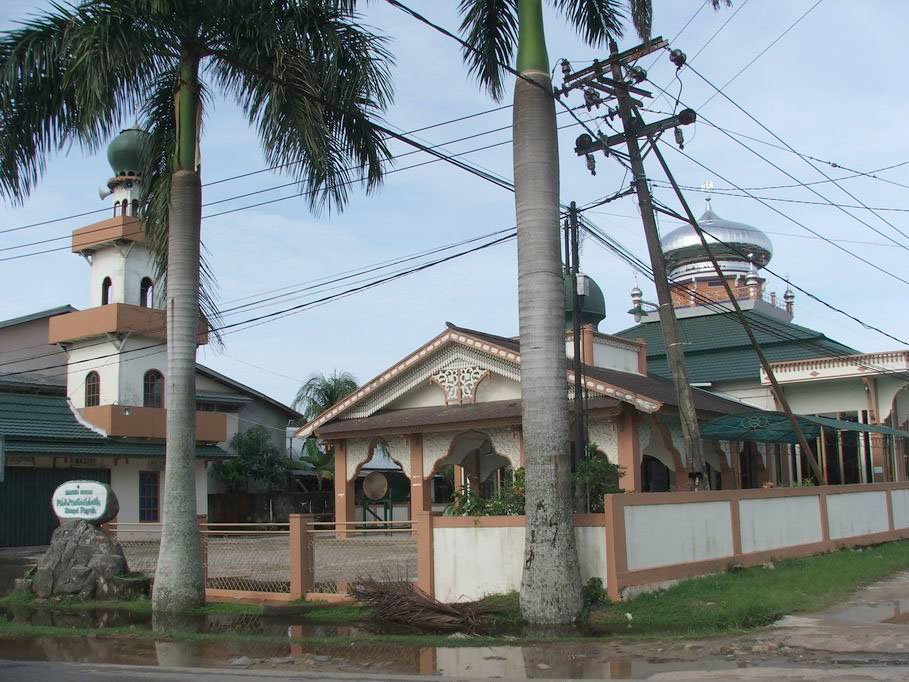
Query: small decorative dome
735,245
593,305
124,153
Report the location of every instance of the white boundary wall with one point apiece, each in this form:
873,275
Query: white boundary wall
472,562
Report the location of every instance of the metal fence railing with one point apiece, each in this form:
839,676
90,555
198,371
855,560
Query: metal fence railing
345,553
140,542
259,558
247,557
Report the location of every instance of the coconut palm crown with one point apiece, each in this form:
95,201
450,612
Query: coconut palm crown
306,75
321,392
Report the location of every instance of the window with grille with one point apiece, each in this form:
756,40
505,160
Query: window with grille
148,496
153,389
92,389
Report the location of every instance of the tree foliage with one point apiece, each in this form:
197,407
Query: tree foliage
258,460
322,391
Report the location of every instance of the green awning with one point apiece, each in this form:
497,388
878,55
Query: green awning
774,427
843,425
757,426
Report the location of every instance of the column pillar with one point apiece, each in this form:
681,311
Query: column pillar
629,450
344,491
879,465
302,562
420,488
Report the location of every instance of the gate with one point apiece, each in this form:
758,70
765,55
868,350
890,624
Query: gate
26,516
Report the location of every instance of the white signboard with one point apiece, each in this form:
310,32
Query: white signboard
80,500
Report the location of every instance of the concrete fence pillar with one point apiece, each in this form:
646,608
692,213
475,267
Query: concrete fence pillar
202,525
302,572
425,569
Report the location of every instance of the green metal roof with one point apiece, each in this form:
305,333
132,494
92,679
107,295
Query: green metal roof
717,348
45,425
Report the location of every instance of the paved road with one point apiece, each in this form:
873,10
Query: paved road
77,672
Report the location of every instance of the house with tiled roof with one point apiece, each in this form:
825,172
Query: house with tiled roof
819,375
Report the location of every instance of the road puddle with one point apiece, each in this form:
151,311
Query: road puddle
541,661
890,611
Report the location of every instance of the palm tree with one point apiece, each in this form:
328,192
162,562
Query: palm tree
320,458
303,72
321,392
550,587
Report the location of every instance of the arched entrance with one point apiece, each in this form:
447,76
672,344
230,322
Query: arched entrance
475,464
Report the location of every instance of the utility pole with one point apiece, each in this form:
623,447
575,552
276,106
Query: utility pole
777,390
675,353
580,441
595,80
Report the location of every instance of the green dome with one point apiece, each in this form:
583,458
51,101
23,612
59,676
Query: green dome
125,152
593,305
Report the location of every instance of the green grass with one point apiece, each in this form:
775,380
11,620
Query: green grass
712,605
749,598
29,601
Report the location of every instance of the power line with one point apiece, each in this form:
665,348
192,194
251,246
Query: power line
262,319
788,146
761,53
731,193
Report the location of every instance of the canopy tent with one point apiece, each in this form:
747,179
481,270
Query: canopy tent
773,427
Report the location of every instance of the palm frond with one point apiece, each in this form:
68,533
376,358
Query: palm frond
491,28
68,76
321,392
595,20
311,80
642,16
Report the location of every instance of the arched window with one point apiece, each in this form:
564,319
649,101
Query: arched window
147,293
153,389
106,286
135,207
92,389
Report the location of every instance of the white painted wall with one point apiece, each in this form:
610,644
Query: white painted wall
470,563
496,387
900,502
851,514
666,534
427,395
124,479
779,522
610,357
135,364
126,267
816,397
82,359
750,392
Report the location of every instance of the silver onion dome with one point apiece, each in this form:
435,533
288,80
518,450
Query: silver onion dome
735,245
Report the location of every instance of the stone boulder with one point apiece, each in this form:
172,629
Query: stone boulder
82,560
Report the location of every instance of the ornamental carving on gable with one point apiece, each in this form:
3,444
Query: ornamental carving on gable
606,436
459,384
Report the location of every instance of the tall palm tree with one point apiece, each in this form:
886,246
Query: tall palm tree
304,72
321,392
550,587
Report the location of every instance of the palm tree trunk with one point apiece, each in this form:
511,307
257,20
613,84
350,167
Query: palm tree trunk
179,583
550,588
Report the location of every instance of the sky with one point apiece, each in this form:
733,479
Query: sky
831,88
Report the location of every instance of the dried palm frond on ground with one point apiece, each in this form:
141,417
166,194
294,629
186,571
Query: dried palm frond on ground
401,601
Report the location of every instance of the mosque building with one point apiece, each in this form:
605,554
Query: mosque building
102,416
820,376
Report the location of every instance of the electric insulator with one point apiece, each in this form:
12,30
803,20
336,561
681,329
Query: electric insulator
638,75
678,58
679,138
566,68
592,99
591,164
